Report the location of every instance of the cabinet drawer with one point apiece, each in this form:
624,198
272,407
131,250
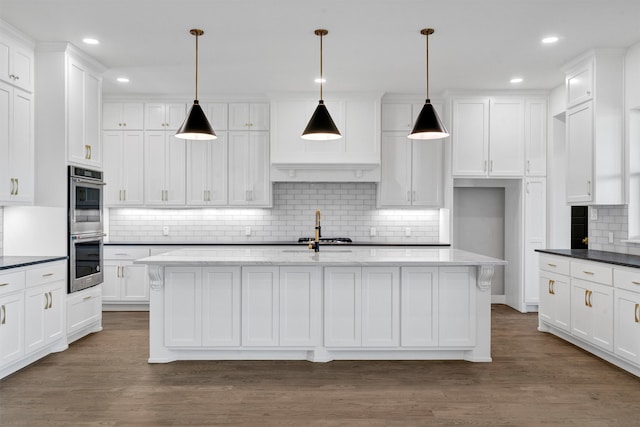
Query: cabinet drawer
84,308
125,252
592,271
628,279
50,272
10,282
555,264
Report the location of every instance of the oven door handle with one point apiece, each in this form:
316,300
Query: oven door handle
89,236
88,181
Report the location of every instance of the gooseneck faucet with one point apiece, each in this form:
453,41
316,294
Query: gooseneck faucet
315,245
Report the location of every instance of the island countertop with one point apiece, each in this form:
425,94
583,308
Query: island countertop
327,256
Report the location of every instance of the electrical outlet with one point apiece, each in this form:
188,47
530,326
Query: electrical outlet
165,231
594,213
247,231
407,232
611,237
373,232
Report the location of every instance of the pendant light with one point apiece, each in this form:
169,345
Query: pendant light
428,124
321,126
195,125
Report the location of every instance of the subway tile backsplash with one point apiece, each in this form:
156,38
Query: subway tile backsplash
611,219
348,210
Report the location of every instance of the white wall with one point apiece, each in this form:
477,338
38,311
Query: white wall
1,228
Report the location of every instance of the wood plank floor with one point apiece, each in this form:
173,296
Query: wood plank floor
535,380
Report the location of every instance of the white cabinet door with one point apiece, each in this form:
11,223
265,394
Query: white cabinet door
260,306
218,115
397,117
300,306
419,307
122,115
579,130
457,303
535,137
83,309
165,163
221,307
555,300
207,165
123,167
470,136
342,306
111,283
380,307
506,137
164,116
579,84
134,282
44,315
11,327
183,307
535,229
249,183
395,180
427,188
592,312
6,117
627,325
244,116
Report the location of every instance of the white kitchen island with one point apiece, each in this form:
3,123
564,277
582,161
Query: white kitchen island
289,303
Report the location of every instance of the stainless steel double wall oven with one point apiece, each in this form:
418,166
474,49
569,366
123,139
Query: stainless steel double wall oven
86,228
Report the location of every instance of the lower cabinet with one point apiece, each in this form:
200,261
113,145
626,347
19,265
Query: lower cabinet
84,312
592,312
11,327
45,320
555,300
627,325
126,285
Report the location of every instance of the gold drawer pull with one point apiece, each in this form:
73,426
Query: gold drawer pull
86,298
551,265
635,313
635,283
47,275
590,273
551,283
4,284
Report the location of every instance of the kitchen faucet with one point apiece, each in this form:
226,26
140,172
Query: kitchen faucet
315,245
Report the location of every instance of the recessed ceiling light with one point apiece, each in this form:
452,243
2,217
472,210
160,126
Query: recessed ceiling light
319,80
89,40
550,40
516,80
123,79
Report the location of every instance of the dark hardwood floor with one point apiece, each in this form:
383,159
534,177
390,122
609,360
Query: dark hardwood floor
534,380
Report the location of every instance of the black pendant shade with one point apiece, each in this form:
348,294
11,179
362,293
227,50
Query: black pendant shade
195,125
428,124
321,126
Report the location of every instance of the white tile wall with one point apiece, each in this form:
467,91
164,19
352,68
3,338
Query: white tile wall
348,210
612,219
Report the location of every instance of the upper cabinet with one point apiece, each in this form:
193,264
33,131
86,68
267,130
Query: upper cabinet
354,157
245,116
159,116
594,126
499,136
122,115
16,59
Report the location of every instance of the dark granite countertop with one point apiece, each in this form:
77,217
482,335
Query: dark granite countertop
7,262
278,243
599,256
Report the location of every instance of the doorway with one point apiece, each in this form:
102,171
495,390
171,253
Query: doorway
579,227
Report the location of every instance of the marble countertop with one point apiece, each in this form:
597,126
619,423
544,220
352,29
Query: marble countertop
8,262
598,256
328,256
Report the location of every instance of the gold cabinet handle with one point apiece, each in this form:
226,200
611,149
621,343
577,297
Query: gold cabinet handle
551,283
590,292
50,300
635,313
586,298
12,192
17,186
47,274
46,300
87,298
551,265
4,315
4,284
590,273
635,283
588,188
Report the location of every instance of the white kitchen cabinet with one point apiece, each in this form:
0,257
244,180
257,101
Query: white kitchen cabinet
159,116
400,116
535,237
627,325
218,115
361,306
16,61
221,306
249,183
16,146
419,306
411,172
300,306
594,128
183,307
535,136
342,306
260,306
123,116
11,327
353,157
555,292
164,169
84,100
84,312
207,171
45,313
488,136
249,116
592,313
457,324
126,285
123,167
380,307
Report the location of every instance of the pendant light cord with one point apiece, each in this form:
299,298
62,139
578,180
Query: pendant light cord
427,55
321,66
197,35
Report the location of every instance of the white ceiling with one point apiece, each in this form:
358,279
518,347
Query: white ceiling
266,46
